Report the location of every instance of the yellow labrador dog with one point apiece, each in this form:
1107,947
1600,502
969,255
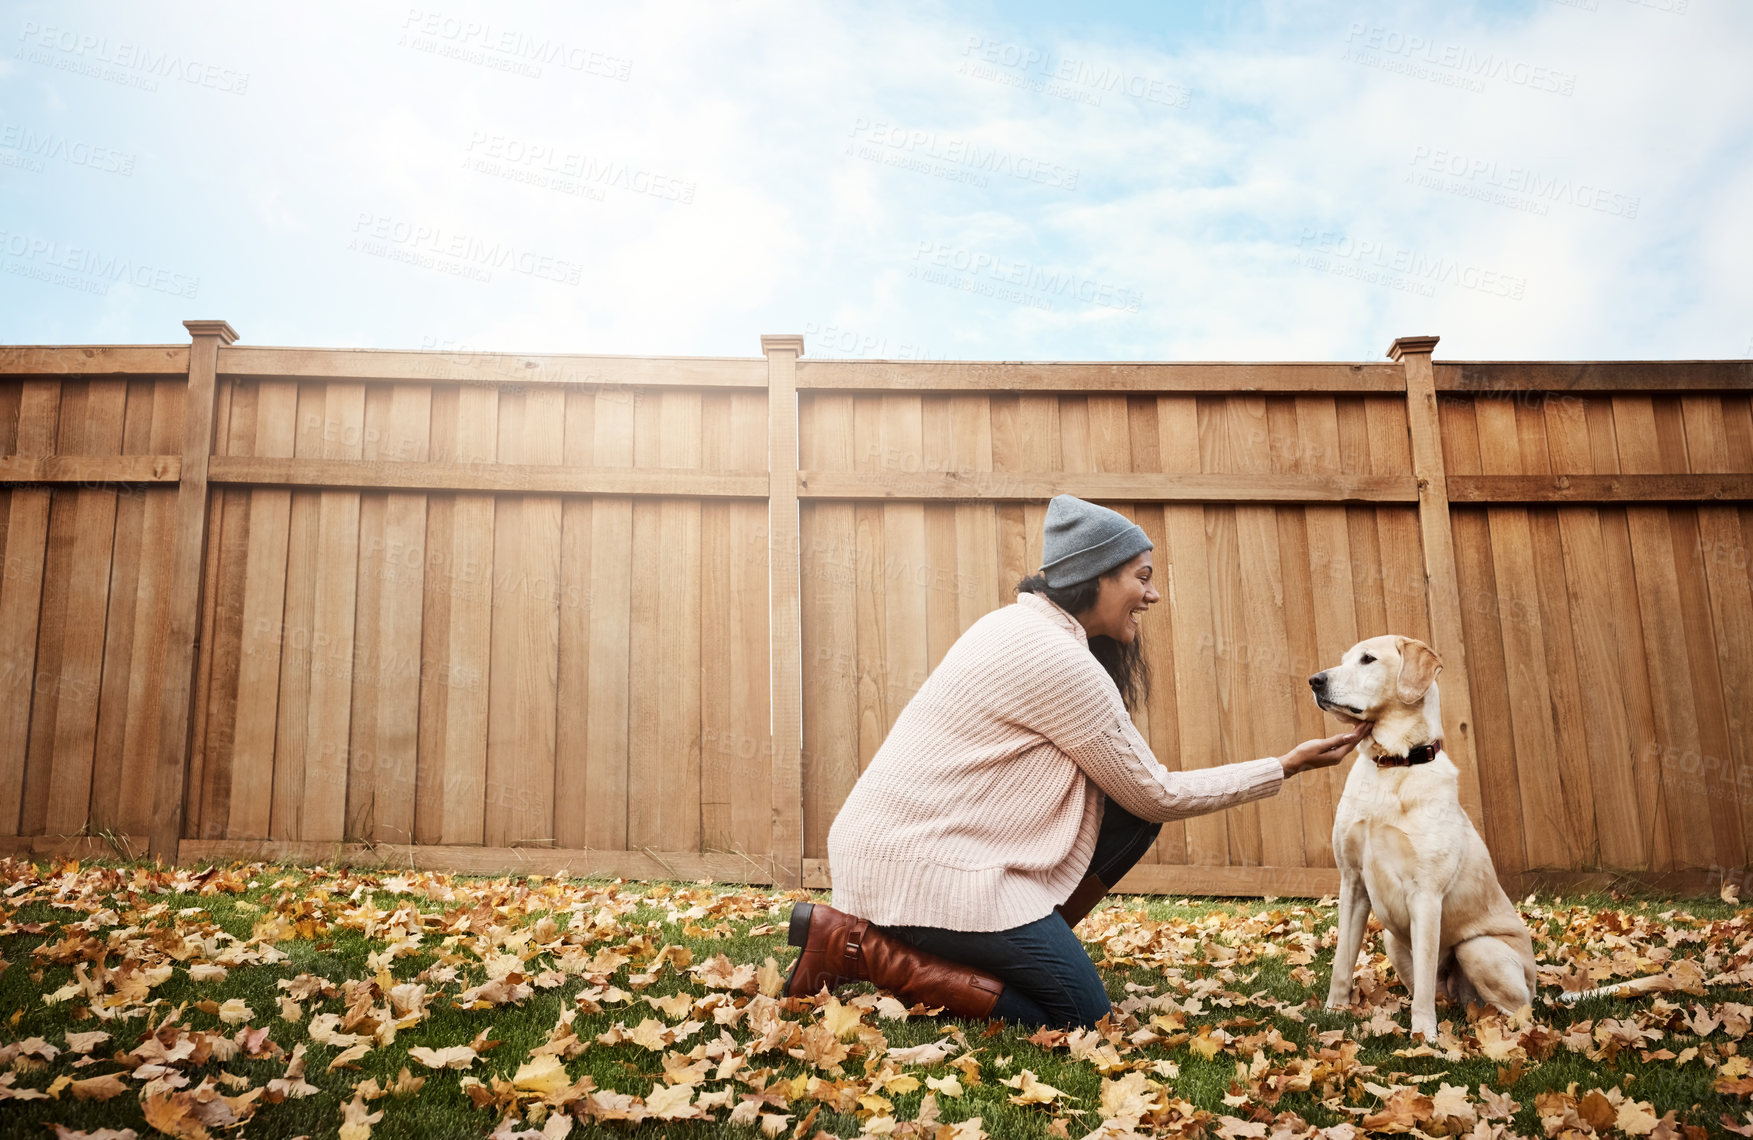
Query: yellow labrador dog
1406,850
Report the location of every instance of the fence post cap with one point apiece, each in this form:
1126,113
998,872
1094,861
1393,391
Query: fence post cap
1408,345
220,329
779,342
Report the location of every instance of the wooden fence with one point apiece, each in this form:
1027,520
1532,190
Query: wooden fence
651,617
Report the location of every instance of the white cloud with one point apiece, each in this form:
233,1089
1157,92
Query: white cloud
1206,169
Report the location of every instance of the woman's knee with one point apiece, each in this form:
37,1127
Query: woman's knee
1077,1007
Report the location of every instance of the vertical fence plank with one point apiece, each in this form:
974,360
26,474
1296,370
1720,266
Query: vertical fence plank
189,541
573,723
1623,611
21,592
829,622
1187,591
648,780
935,564
465,670
332,615
611,628
785,630
678,630
721,661
129,553
1270,713
1437,538
1604,735
523,681
1329,571
47,692
264,608
298,657
393,748
94,528
752,816
361,813
979,582
1569,759
1638,431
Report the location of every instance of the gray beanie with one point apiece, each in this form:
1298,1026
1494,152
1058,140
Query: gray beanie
1083,541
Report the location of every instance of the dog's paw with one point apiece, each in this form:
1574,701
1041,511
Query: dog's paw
1422,1028
1338,1002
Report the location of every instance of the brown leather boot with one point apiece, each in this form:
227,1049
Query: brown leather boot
822,933
838,947
1084,898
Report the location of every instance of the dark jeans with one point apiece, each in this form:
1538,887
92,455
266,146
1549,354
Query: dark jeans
1048,977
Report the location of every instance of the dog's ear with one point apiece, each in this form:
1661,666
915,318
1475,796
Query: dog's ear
1418,668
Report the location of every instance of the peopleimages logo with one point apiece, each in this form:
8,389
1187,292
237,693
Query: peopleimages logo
972,264
1472,176
88,270
505,49
964,152
1381,263
434,247
39,145
1464,62
138,65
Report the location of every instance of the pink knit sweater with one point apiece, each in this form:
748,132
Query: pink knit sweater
981,807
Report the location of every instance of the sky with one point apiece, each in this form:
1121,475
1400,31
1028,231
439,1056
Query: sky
1220,180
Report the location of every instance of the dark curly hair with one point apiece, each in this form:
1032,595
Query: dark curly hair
1124,661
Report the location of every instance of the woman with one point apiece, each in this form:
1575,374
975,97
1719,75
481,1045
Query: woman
1012,793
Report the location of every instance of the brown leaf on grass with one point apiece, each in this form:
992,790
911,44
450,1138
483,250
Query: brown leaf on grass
292,1084
62,1132
1130,1098
99,1088
173,1115
345,1058
85,1042
1497,1106
672,1006
357,1119
541,1075
508,990
1405,1109
449,1057
1596,1109
842,1020
928,1054
1031,1089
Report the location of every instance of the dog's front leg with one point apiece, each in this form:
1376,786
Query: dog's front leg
1427,931
1354,917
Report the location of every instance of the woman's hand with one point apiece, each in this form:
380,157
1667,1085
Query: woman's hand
1323,753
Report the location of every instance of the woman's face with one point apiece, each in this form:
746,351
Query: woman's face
1121,599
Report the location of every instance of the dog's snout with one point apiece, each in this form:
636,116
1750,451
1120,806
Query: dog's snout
1318,682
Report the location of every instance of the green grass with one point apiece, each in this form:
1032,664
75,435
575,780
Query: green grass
441,1108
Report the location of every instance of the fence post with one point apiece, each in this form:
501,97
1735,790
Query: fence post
189,558
785,629
1442,591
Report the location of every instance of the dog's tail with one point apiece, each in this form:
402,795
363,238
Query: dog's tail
1681,974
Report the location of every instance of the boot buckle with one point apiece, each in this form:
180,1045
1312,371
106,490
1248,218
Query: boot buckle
855,941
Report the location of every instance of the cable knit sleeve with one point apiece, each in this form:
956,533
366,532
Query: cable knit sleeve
1116,756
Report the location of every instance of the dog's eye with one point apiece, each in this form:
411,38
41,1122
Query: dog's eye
1365,659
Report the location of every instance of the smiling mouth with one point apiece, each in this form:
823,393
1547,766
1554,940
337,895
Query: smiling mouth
1334,707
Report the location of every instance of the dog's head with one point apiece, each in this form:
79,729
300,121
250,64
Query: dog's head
1385,681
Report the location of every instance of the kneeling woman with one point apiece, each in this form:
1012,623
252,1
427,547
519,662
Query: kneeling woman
1013,793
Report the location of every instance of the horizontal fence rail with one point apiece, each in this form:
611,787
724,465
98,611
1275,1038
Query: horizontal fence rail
652,616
